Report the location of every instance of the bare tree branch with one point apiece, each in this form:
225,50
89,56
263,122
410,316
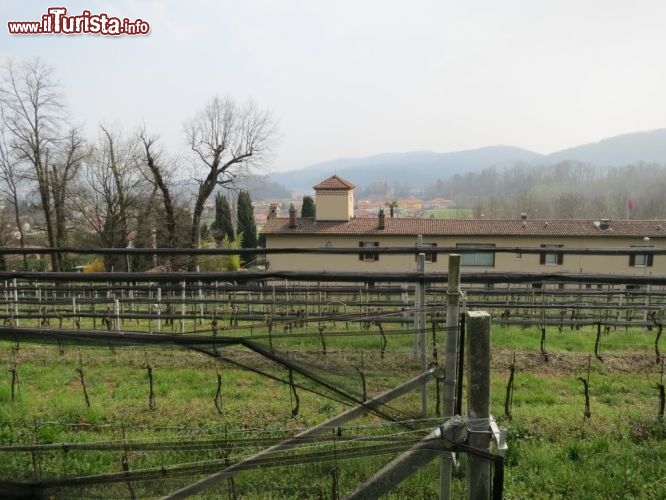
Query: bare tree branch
109,192
227,141
12,177
157,171
34,116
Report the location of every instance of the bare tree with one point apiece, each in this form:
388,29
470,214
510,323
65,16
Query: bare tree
6,235
170,227
570,205
227,140
159,176
34,116
108,192
12,179
68,156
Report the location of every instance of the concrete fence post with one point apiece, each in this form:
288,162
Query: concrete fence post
16,302
450,364
421,330
477,351
182,306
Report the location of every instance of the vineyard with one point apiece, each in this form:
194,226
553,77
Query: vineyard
261,385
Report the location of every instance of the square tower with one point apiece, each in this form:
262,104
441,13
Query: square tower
334,199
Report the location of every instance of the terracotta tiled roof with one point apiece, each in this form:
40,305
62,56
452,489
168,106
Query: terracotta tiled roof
334,183
470,227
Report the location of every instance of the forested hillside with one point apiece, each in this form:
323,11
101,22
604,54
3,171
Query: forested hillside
564,190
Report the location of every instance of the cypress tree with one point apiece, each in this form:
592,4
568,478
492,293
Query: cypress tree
308,207
246,226
222,226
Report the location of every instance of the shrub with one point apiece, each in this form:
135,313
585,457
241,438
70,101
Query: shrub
95,266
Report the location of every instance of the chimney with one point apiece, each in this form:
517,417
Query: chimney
382,219
523,216
292,216
604,224
273,210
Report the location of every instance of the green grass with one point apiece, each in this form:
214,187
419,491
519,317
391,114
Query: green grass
575,341
554,451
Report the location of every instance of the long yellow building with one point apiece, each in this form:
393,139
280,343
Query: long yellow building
336,227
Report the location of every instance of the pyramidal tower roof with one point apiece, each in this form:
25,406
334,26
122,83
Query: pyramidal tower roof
334,183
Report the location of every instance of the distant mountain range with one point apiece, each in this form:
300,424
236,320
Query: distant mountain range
422,168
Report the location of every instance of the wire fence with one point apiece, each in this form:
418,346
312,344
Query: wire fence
192,305
331,340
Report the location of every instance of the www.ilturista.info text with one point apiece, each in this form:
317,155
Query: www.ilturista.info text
56,21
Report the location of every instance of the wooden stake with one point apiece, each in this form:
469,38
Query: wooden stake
79,370
218,393
508,401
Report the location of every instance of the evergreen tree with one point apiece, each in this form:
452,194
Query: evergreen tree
308,207
205,231
246,226
222,227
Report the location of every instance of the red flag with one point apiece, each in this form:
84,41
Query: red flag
630,204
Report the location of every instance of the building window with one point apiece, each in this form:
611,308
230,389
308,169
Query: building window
641,259
429,256
551,259
367,256
481,258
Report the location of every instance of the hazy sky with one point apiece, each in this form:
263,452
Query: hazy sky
351,78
